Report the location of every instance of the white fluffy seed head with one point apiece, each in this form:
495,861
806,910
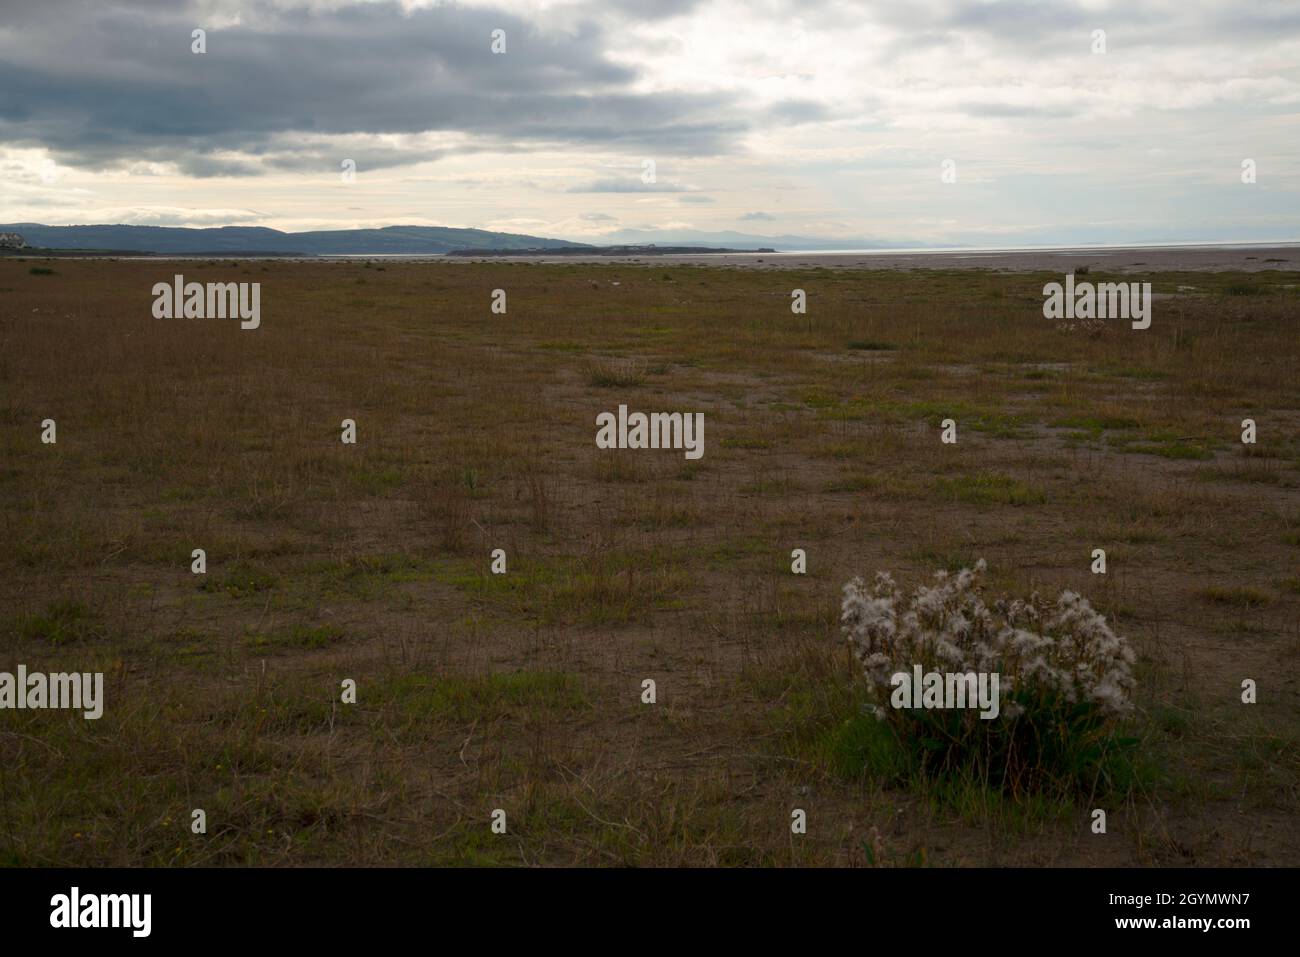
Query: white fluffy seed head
1064,649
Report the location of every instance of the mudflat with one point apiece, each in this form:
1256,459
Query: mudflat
1118,260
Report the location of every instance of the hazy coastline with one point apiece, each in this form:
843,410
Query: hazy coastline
1124,259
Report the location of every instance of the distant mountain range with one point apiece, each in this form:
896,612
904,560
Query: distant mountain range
435,240
393,240
235,240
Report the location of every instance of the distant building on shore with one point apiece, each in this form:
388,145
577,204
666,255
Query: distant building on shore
12,241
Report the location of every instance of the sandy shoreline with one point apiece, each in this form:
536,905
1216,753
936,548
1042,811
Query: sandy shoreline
1123,260
1136,259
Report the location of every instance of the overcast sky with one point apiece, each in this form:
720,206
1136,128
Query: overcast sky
826,119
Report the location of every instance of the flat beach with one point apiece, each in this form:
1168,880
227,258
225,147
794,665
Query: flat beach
1136,259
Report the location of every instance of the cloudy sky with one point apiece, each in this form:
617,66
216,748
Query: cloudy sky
827,119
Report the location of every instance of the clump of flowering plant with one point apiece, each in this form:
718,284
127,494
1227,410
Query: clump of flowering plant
1064,677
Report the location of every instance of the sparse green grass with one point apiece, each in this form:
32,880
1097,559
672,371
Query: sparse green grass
1238,596
293,638
877,485
369,575
987,488
562,346
490,697
610,589
63,621
522,691
748,442
825,722
1166,444
243,579
1096,423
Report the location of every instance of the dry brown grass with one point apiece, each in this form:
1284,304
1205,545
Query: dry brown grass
523,691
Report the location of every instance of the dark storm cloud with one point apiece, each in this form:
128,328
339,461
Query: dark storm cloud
115,83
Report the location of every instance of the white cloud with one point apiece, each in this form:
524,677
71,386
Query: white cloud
827,116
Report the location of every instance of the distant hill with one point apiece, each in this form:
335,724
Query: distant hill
234,240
